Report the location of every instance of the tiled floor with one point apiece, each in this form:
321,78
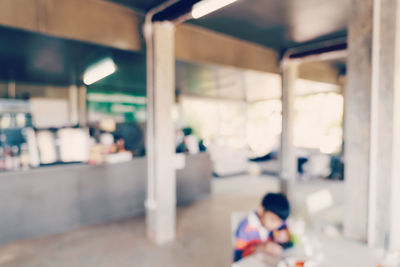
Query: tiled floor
203,235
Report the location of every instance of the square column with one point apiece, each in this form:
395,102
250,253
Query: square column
395,179
161,191
358,119
73,95
288,155
372,126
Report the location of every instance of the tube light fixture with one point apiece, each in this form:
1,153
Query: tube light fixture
99,71
208,6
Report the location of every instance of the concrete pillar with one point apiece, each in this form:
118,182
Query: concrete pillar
288,155
73,93
12,89
358,119
388,190
82,107
383,96
370,138
357,114
161,193
395,185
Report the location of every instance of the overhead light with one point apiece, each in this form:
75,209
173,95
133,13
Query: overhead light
208,6
99,71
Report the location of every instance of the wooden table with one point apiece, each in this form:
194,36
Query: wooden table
332,252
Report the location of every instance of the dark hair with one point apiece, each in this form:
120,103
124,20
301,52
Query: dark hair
187,131
276,203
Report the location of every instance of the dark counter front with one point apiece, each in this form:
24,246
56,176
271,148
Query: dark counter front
194,181
60,198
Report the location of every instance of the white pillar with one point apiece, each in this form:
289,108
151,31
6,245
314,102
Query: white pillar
288,156
395,192
12,91
73,94
357,114
82,107
395,183
161,192
371,137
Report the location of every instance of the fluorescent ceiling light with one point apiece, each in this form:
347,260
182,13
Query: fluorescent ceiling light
207,6
99,71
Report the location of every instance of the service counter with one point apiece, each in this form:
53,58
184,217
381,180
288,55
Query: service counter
56,199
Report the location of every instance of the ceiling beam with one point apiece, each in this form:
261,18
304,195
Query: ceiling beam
195,44
93,21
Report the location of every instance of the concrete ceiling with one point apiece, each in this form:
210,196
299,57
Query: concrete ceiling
37,58
279,24
140,5
40,59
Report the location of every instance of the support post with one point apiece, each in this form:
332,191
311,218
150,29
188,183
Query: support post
371,133
73,94
82,105
288,156
161,190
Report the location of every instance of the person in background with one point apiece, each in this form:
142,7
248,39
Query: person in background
180,146
202,146
190,141
187,142
264,230
337,165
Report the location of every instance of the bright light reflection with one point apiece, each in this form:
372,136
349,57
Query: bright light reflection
208,6
99,71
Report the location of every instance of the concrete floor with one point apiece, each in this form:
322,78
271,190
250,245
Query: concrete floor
203,235
245,185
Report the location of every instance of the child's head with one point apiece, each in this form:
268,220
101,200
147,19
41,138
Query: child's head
274,211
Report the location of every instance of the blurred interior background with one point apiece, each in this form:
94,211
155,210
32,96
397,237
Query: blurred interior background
82,132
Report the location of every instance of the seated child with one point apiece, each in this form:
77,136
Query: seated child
264,229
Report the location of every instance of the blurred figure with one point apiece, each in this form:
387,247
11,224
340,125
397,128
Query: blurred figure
264,230
188,143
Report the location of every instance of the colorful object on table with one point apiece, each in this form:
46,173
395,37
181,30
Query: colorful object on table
295,262
295,239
